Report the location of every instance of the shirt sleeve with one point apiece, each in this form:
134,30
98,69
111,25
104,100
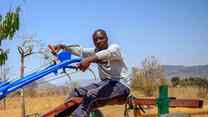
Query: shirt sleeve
112,53
85,52
75,49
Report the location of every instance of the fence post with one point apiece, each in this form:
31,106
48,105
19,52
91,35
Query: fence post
163,101
93,114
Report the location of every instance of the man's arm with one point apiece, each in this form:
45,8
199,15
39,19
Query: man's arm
74,49
85,63
112,53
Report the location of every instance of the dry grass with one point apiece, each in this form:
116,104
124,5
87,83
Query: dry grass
44,104
33,105
189,92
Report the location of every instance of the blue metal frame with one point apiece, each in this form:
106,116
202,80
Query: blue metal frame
7,86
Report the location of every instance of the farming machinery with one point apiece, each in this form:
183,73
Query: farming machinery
66,61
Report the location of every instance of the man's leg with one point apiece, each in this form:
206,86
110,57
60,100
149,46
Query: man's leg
107,89
81,91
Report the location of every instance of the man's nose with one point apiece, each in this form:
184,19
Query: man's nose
99,40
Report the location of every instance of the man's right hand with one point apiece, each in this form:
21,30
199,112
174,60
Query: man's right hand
56,48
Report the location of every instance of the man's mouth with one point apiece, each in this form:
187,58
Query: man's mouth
101,45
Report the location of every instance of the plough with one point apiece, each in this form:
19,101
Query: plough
63,110
66,62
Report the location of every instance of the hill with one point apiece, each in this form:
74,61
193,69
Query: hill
186,71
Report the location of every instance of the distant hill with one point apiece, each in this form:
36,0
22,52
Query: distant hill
186,71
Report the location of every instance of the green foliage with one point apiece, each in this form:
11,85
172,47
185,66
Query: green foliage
9,24
175,81
194,81
3,56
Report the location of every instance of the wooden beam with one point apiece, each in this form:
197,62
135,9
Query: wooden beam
69,106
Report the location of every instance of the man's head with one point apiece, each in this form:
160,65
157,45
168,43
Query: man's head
100,39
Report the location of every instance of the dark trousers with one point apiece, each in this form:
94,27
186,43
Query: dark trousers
103,90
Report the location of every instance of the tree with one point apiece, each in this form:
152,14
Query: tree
4,75
175,81
27,48
9,25
198,82
153,70
149,77
134,72
3,56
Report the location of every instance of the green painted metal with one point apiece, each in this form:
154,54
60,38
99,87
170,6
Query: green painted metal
163,100
93,114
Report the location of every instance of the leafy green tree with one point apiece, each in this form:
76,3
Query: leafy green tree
9,25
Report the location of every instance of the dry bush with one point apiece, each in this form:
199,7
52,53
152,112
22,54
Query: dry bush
149,77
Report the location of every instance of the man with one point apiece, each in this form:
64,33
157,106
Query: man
111,68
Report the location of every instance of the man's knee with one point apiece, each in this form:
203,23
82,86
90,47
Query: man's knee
127,91
79,112
92,93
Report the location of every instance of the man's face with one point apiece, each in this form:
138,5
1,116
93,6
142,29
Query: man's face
100,41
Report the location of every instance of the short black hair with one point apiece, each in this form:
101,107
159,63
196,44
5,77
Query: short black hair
103,32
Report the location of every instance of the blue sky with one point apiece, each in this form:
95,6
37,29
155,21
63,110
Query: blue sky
175,31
